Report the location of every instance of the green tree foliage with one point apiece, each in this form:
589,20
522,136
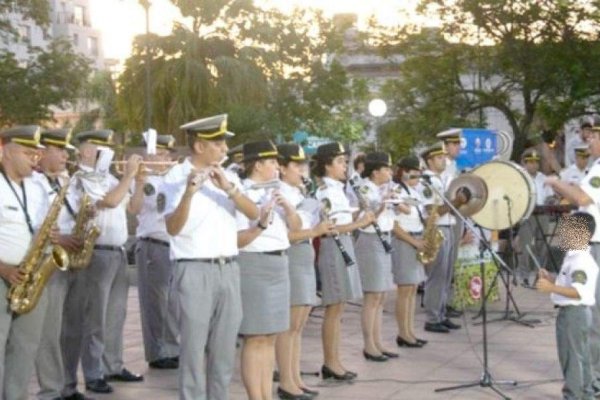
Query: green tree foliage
262,67
538,62
100,99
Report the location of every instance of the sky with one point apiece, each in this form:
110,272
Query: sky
120,20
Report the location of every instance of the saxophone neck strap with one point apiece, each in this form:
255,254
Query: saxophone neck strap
405,187
55,185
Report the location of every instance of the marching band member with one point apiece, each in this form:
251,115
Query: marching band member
439,279
374,263
53,175
105,279
340,283
23,206
575,173
452,140
303,281
587,197
200,217
529,231
265,279
407,240
154,266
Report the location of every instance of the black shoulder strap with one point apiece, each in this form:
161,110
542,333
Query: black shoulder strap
418,209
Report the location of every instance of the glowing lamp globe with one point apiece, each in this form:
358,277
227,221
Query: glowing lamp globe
377,108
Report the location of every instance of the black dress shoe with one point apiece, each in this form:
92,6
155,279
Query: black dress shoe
310,392
77,396
422,341
327,373
275,376
449,324
98,386
176,359
453,312
389,354
164,363
283,395
376,358
126,376
436,327
405,343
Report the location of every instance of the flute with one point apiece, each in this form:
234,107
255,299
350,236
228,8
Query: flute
325,207
365,205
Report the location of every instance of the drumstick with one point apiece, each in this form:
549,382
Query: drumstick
533,257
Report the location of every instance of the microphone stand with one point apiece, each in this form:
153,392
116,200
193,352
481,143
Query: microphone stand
486,380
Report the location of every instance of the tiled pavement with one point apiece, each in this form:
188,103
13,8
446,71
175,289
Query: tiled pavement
516,352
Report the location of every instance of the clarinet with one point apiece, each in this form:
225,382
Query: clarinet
325,207
363,204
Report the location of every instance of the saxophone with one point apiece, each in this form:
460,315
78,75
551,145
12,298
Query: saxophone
433,238
87,232
37,266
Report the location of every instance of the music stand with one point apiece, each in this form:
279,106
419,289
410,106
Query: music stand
486,380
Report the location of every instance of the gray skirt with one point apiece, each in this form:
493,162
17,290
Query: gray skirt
374,264
405,267
265,288
339,283
303,277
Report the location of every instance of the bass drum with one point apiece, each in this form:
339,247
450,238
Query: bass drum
510,198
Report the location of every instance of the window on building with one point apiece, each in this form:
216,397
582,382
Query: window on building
75,40
79,15
93,45
24,33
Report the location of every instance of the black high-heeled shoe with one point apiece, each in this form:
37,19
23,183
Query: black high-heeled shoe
422,341
284,395
389,354
327,373
376,358
310,392
405,343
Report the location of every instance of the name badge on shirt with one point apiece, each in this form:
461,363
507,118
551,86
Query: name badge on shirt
12,208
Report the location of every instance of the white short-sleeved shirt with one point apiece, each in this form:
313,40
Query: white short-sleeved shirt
15,236
578,270
275,237
374,195
111,221
410,222
431,197
542,191
572,175
451,170
306,208
590,184
210,230
151,218
341,211
65,221
574,142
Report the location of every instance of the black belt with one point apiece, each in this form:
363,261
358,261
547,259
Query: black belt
217,260
415,233
274,253
340,234
155,241
445,226
569,305
108,247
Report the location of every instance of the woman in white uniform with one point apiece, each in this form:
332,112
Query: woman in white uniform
374,259
407,241
340,282
303,280
264,277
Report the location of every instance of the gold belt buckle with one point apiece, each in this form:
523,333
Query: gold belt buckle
221,261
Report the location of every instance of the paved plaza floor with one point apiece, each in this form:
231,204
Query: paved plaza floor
516,352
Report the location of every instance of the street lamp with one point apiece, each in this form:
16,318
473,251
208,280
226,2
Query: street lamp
377,109
146,4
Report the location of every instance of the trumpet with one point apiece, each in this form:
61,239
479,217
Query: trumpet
147,167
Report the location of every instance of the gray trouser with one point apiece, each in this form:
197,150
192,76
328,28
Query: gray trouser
530,234
439,278
210,314
158,314
572,328
20,337
594,337
106,286
49,362
72,328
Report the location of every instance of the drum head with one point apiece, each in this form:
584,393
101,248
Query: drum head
511,195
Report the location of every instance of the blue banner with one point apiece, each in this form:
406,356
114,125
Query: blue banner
478,146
